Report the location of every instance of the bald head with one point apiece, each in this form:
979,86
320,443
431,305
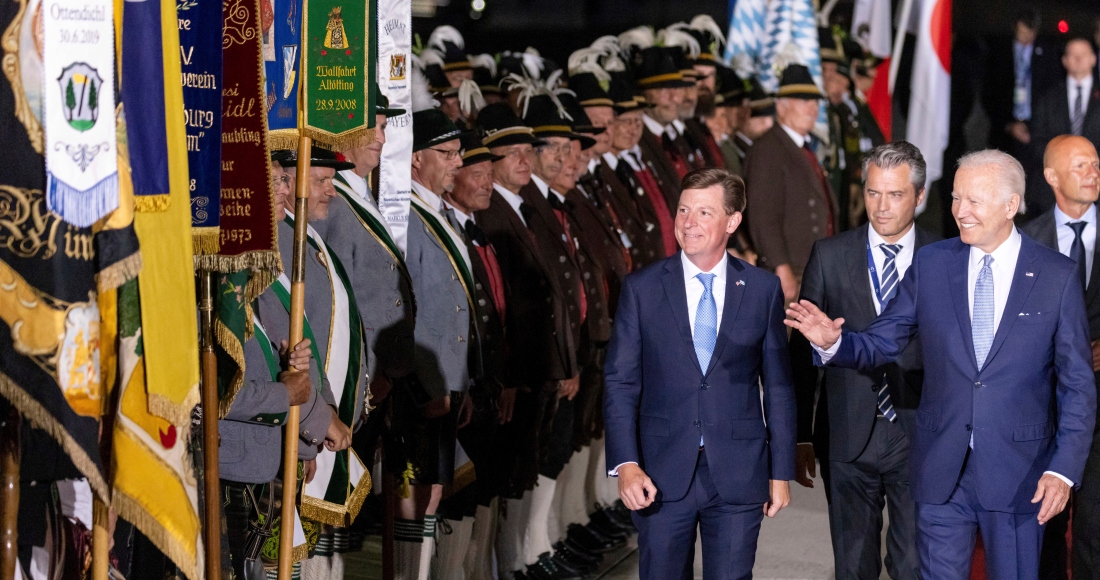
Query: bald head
1072,168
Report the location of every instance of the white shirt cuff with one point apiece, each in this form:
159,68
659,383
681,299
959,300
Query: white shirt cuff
827,355
806,443
1059,476
615,472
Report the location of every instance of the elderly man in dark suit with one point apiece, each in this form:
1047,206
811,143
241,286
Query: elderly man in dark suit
1071,107
864,434
790,202
1073,172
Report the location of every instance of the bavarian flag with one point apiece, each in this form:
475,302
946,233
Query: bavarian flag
53,363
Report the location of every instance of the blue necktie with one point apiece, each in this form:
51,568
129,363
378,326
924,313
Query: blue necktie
1077,249
706,325
982,319
887,290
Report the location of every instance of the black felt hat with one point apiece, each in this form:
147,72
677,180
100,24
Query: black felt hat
437,81
499,126
708,48
730,88
485,81
591,91
654,68
473,151
683,62
546,119
382,105
449,42
621,91
829,47
280,155
581,124
318,158
797,83
761,104
432,127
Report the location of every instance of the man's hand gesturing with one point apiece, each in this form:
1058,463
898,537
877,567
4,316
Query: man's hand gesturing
808,319
635,488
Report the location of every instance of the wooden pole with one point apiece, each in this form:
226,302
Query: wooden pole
211,478
297,313
9,495
101,539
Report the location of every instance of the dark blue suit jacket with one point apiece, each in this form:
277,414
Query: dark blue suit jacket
658,401
1032,406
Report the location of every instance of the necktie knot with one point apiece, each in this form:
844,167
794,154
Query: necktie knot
707,279
555,203
890,250
476,234
987,261
1077,227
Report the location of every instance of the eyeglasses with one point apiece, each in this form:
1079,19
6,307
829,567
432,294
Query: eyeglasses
562,148
282,180
451,154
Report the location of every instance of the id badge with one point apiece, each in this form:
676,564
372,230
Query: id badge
1020,95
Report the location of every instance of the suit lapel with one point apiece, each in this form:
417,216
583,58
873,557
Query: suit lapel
734,293
677,300
1021,288
959,296
859,276
1093,288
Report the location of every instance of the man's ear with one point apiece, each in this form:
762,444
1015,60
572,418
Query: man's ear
1051,176
734,222
417,159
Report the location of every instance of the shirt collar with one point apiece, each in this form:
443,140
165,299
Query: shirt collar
1061,218
907,241
539,183
612,161
653,126
430,199
744,138
462,218
679,126
357,184
1086,86
691,270
799,140
1009,247
593,164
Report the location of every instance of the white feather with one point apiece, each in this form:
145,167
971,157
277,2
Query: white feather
639,38
428,57
612,63
586,60
470,100
532,62
446,33
551,83
606,44
788,55
704,23
514,80
421,97
483,61
741,63
676,36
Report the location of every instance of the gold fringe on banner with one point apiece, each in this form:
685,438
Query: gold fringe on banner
265,264
334,514
205,240
119,273
152,203
134,513
282,139
228,341
464,476
40,418
179,414
354,139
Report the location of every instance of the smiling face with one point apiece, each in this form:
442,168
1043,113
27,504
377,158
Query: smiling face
702,225
434,167
473,188
602,117
514,170
280,182
628,130
980,209
321,192
367,158
665,104
891,200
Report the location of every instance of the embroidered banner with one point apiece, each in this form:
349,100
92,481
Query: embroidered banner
81,148
338,68
282,37
143,83
394,55
200,32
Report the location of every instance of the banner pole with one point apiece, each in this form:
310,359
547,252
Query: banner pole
101,540
9,495
297,312
211,477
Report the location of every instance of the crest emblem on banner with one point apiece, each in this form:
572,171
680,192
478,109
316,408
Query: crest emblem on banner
290,62
80,86
397,67
336,38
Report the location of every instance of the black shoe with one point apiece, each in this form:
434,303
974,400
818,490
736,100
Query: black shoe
576,553
622,518
547,569
591,540
570,566
603,523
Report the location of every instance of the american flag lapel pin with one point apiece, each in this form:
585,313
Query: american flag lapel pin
739,283
1029,274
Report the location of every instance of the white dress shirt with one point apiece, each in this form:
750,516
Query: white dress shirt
1004,267
675,128
1071,93
799,140
428,197
544,188
1088,235
694,288
902,261
633,157
653,126
513,200
612,160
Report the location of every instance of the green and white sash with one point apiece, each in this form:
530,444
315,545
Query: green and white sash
369,215
451,241
342,480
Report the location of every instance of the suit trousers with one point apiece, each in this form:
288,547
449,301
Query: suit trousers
666,533
946,535
878,478
1086,519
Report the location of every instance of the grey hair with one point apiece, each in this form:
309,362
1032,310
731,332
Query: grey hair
894,154
1008,173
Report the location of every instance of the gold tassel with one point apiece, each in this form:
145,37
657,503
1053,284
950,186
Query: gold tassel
152,203
178,414
282,139
353,139
205,240
131,511
228,341
119,273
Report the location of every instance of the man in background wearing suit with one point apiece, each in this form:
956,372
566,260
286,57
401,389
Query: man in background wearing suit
1072,107
791,204
1070,227
865,464
1008,406
683,419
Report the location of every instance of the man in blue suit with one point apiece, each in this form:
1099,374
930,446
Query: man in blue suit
696,334
1008,406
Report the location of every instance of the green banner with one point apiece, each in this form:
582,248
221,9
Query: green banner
338,70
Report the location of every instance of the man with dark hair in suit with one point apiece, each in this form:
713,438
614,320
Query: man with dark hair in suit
695,338
864,432
1072,107
1070,227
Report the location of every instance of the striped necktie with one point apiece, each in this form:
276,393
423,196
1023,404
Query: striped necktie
705,335
1077,119
982,319
887,290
